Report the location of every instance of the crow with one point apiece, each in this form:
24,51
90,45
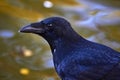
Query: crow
74,57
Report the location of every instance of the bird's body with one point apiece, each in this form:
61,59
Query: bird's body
76,58
88,63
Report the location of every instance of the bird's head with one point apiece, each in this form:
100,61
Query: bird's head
50,28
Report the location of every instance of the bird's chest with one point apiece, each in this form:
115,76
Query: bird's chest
60,70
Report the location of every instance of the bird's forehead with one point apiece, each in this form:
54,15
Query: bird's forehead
47,21
53,20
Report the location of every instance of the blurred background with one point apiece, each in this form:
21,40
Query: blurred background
28,56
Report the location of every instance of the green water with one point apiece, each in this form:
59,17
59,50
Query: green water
28,56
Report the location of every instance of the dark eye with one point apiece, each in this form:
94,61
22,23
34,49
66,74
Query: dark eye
50,25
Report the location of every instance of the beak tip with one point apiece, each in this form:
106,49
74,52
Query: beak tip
25,29
21,30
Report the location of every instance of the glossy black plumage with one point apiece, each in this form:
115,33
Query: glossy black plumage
76,58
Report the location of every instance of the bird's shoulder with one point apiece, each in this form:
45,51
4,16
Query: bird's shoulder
93,51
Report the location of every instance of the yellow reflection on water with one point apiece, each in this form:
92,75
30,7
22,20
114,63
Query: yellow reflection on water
27,53
24,71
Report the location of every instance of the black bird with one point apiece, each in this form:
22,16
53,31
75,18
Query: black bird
76,58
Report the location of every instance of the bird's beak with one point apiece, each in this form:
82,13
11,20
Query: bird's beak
31,29
26,29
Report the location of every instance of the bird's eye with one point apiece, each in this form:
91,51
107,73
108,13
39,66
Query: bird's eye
50,25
